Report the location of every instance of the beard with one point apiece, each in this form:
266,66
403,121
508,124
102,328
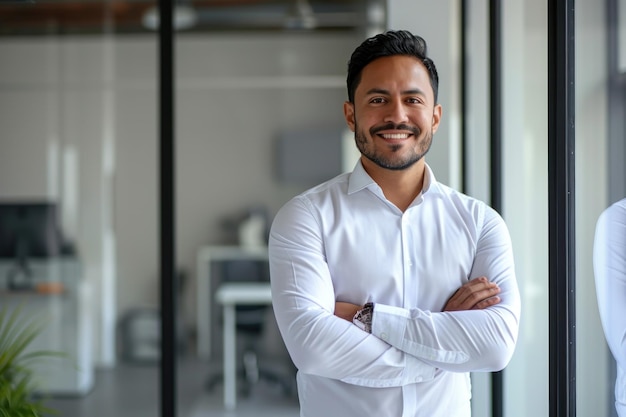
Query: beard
393,161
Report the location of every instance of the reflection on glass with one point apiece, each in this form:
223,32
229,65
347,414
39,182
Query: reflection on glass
599,164
609,262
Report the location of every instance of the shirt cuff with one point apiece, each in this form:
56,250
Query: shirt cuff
390,324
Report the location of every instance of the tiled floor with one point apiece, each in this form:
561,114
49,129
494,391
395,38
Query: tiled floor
133,391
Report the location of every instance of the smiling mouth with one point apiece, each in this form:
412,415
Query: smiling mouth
396,136
395,132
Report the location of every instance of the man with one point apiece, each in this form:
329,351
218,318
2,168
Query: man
389,287
609,264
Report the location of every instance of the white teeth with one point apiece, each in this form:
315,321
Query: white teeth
395,135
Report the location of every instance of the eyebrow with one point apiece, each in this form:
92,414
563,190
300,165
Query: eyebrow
414,91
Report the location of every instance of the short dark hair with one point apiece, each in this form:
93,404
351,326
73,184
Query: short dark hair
389,43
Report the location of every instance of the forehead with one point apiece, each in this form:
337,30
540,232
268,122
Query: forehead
395,73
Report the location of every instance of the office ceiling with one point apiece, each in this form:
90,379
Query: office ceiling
45,17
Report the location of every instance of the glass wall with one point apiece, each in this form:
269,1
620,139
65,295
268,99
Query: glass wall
525,197
600,182
259,96
79,111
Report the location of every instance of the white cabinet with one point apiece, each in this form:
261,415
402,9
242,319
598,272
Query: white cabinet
60,298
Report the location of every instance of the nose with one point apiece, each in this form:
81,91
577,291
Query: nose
396,112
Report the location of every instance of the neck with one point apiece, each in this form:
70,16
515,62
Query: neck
400,187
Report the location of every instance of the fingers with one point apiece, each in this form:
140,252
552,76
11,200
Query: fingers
486,303
478,293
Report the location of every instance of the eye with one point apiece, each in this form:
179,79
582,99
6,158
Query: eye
377,100
414,100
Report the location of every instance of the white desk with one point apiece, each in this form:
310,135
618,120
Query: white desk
230,295
206,287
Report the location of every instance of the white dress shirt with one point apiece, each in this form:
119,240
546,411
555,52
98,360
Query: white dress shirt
609,263
344,241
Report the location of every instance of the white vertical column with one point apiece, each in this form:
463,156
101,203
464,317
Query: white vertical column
109,276
525,197
621,36
477,145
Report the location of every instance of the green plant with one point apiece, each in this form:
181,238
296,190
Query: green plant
17,382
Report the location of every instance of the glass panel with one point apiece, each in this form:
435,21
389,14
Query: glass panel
259,93
243,90
525,197
524,186
600,182
229,141
78,131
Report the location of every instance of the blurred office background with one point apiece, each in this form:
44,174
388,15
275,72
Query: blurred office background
259,88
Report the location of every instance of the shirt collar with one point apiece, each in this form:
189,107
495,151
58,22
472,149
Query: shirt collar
359,179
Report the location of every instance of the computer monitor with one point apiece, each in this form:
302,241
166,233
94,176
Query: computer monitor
28,230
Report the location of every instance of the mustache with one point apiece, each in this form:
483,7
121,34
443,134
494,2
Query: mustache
392,126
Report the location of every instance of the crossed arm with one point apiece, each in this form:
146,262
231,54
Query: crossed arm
476,294
450,340
476,331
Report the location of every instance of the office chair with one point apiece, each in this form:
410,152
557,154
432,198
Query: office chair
251,322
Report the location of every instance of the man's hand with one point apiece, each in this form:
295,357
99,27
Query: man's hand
346,311
476,294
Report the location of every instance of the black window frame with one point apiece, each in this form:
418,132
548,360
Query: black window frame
562,230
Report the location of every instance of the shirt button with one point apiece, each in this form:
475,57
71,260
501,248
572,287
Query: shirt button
384,336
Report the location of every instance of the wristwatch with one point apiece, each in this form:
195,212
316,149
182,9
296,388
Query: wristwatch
363,318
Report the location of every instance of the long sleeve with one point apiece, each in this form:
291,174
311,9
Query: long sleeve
463,341
304,300
609,261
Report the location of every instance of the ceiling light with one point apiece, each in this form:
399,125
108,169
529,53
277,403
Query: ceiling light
301,16
184,17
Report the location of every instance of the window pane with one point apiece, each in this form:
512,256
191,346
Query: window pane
78,130
600,181
258,120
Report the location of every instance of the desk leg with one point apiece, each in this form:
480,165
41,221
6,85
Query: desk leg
230,367
203,309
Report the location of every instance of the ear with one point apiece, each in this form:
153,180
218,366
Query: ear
348,113
437,110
